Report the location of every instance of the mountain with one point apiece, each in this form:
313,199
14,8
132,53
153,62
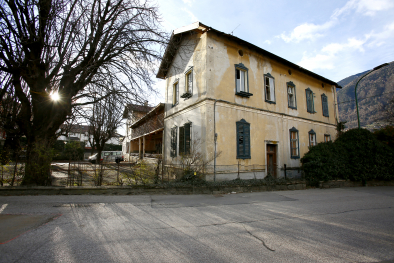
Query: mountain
374,92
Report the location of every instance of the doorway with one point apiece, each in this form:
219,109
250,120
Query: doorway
271,160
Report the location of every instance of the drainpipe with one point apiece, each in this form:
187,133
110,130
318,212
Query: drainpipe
215,136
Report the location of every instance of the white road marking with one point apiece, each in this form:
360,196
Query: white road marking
3,207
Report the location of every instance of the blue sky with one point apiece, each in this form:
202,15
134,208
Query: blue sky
333,38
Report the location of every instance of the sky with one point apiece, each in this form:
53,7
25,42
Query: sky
335,39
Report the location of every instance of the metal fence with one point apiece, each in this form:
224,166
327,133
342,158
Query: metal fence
144,172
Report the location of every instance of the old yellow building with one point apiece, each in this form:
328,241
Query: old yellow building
258,110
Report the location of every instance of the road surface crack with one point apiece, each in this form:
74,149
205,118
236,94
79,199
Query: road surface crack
256,237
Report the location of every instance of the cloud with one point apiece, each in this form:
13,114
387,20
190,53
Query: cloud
327,57
193,18
268,42
310,31
306,32
188,2
369,7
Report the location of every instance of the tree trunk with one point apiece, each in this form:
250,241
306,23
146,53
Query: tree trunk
38,163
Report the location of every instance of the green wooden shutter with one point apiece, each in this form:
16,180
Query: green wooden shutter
325,105
187,137
309,100
181,140
173,141
243,140
247,140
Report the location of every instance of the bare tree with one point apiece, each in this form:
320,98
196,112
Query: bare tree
73,48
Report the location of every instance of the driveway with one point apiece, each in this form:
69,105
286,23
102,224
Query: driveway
330,225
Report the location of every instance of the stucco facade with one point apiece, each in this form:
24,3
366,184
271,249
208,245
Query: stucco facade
236,84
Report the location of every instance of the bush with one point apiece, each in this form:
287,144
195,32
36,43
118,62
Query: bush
356,155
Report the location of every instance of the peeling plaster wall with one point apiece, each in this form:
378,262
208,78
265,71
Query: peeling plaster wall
213,60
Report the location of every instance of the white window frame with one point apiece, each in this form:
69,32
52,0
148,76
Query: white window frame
269,88
175,92
291,96
312,138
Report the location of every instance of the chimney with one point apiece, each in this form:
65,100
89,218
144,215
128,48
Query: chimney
146,103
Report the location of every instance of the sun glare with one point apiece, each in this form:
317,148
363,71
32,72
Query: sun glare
55,96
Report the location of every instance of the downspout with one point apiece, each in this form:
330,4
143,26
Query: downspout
215,137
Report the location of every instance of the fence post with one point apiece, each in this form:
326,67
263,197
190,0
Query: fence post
285,171
238,171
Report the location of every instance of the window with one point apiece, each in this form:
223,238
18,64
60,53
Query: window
312,138
291,95
175,92
327,137
242,81
294,144
243,140
185,139
188,84
309,101
269,85
173,141
324,103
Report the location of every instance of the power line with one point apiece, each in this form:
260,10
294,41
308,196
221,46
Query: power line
364,98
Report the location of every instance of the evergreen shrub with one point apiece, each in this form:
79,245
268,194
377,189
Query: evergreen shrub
356,155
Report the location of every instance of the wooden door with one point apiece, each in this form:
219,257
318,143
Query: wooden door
271,160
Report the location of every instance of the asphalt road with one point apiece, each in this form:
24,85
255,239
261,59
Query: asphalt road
333,225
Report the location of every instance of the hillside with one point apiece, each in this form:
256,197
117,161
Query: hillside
373,93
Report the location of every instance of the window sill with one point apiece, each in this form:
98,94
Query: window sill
244,94
270,102
186,95
244,157
293,108
295,157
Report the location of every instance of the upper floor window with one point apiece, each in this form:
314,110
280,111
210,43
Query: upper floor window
188,84
327,137
310,105
291,95
312,138
294,144
243,140
175,93
174,140
185,139
324,103
242,80
269,85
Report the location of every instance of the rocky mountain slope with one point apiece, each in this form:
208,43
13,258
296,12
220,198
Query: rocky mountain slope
374,92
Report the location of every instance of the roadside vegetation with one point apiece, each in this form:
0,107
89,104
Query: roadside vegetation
357,155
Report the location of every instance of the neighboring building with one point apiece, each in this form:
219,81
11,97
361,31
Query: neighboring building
77,132
256,108
144,130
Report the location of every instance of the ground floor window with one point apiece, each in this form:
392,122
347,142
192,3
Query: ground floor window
185,139
243,140
312,138
294,144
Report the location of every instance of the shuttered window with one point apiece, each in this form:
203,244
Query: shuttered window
185,139
189,81
324,103
294,144
309,101
291,95
173,141
175,93
269,88
243,140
